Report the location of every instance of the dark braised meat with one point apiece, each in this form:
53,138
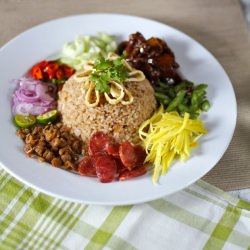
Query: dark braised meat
153,57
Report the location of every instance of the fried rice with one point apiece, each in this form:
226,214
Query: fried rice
119,121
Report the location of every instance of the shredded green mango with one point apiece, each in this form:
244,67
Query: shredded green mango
167,136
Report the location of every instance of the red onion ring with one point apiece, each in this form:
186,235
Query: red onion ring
33,97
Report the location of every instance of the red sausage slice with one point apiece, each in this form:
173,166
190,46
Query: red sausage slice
120,167
113,149
127,155
140,153
98,142
86,166
105,168
138,171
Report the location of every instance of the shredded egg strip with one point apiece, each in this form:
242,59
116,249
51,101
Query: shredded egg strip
168,136
118,92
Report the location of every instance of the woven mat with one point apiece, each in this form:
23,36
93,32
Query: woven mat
218,25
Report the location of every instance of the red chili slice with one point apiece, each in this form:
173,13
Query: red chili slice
59,74
87,166
53,65
98,142
128,155
141,154
60,87
43,64
36,72
113,149
105,168
138,171
68,71
51,69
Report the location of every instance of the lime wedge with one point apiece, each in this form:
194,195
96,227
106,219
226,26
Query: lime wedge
47,117
25,121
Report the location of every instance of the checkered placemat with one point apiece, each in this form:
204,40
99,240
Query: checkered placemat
199,217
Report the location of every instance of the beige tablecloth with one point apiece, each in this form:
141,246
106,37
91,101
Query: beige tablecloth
218,25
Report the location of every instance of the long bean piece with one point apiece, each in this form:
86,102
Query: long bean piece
183,97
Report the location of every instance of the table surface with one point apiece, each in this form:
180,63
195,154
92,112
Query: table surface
218,25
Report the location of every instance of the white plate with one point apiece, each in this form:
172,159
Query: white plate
197,65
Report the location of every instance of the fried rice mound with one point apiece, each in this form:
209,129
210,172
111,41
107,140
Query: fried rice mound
118,121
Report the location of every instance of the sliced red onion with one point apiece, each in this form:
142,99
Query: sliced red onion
24,95
33,97
42,90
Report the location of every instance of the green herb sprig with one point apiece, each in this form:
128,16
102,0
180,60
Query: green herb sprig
107,70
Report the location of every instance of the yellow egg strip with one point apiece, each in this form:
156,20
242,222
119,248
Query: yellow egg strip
82,75
118,92
168,136
135,76
129,97
92,97
112,56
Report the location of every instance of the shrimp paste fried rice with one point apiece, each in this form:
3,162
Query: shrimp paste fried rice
118,121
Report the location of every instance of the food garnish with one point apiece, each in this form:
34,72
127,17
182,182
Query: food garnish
153,57
183,97
47,117
87,48
167,136
106,70
25,121
108,78
52,71
33,97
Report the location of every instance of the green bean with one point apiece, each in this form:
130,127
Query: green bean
190,84
185,101
164,85
197,98
171,93
183,97
205,106
201,86
194,101
182,113
162,98
178,87
200,92
176,101
159,89
166,102
183,108
160,95
194,115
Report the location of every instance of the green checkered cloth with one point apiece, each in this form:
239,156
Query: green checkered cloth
199,217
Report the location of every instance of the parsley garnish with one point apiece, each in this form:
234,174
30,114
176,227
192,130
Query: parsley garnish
107,70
